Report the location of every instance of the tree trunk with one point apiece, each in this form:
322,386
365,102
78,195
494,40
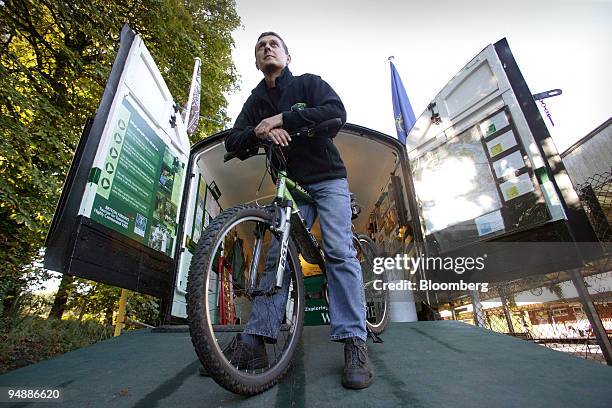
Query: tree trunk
108,320
8,299
83,310
85,302
61,297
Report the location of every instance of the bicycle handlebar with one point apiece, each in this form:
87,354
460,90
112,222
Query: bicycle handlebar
324,127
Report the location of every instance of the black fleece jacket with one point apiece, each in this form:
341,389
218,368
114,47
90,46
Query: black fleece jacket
304,100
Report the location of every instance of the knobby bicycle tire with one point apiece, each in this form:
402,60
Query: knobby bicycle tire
200,324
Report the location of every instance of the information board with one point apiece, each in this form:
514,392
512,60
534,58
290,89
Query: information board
140,183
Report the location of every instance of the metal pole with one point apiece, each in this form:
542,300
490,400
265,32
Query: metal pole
477,306
591,312
121,312
507,314
504,301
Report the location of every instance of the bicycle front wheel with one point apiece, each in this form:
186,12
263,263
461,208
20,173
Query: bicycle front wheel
377,300
228,289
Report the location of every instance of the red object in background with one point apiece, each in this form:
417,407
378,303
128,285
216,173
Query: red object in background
224,316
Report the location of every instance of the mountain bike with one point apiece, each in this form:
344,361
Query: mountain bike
224,284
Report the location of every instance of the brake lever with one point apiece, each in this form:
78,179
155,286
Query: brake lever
303,132
324,127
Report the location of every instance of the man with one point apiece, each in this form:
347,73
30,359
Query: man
280,104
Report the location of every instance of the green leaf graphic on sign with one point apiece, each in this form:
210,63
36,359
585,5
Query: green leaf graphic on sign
114,151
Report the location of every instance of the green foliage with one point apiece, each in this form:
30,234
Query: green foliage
27,337
55,57
35,339
93,300
143,308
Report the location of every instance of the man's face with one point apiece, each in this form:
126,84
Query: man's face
270,54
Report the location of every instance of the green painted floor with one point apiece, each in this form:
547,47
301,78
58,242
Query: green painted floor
422,364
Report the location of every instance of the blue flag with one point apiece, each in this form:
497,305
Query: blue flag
402,110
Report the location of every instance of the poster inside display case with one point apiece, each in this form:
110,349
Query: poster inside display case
477,185
454,183
206,208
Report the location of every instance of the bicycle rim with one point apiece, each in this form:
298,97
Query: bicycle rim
225,307
377,300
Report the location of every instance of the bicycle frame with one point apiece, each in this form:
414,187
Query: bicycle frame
285,199
287,213
284,184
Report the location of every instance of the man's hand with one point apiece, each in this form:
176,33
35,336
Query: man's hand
265,126
270,129
279,136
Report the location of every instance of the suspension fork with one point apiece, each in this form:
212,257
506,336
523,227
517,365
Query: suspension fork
283,228
281,225
283,210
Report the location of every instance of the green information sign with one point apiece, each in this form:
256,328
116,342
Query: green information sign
140,183
316,312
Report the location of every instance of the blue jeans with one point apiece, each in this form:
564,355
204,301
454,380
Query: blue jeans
345,285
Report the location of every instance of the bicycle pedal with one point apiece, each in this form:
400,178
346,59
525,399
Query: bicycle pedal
375,338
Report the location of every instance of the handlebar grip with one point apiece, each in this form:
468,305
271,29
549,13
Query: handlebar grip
323,128
328,125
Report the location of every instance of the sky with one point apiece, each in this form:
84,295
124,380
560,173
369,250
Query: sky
561,44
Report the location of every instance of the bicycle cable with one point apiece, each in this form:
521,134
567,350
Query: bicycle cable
270,168
267,170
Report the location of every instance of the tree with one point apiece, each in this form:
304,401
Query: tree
66,287
94,299
55,57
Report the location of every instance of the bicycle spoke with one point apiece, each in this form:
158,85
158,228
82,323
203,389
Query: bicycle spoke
235,266
376,300
220,304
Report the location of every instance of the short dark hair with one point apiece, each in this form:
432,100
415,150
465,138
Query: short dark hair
277,36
